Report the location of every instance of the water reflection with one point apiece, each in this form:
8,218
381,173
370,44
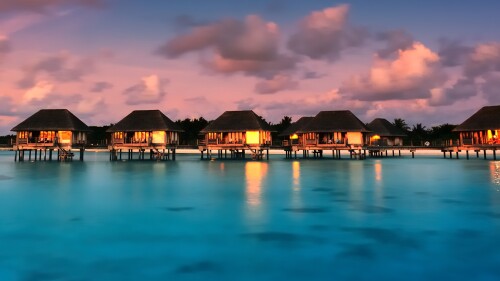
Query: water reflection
378,171
296,188
495,173
254,173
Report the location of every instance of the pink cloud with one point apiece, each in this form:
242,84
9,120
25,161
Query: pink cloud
62,67
484,58
151,89
411,75
5,46
325,34
250,46
490,88
276,84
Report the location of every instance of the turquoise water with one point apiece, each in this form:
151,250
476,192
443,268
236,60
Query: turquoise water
387,219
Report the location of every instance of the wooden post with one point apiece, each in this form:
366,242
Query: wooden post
467,154
399,151
173,154
36,154
82,151
494,154
267,154
15,156
444,154
477,153
457,153
484,152
50,154
451,155
413,154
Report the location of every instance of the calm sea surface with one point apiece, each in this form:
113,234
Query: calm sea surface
380,219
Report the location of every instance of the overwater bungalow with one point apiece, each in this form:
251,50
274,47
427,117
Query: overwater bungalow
482,128
143,130
50,130
290,135
332,130
384,133
236,132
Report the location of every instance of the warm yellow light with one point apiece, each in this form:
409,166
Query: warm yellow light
254,173
375,137
294,137
252,137
158,136
65,136
490,134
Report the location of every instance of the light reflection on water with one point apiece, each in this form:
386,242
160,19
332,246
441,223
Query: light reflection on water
495,173
411,219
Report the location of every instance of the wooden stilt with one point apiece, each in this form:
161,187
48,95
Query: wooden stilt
494,154
484,153
467,154
50,154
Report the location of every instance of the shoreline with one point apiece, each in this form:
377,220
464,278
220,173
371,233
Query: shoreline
404,152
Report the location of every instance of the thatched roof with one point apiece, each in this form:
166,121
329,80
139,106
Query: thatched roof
237,121
384,128
296,126
335,121
486,118
52,120
144,121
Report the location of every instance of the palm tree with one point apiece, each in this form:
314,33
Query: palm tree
401,124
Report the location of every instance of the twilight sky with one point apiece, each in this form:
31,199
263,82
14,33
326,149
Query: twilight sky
427,61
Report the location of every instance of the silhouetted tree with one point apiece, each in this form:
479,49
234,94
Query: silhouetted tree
443,133
192,128
418,134
7,140
98,136
401,124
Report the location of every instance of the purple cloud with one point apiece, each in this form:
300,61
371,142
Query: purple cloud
395,41
101,86
41,6
325,34
60,67
250,46
149,90
276,84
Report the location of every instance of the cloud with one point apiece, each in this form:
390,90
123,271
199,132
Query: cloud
462,89
101,86
453,53
44,95
325,34
197,100
411,75
149,90
38,92
5,46
490,88
41,6
252,39
250,46
396,40
312,75
62,67
7,106
484,58
276,84
266,69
